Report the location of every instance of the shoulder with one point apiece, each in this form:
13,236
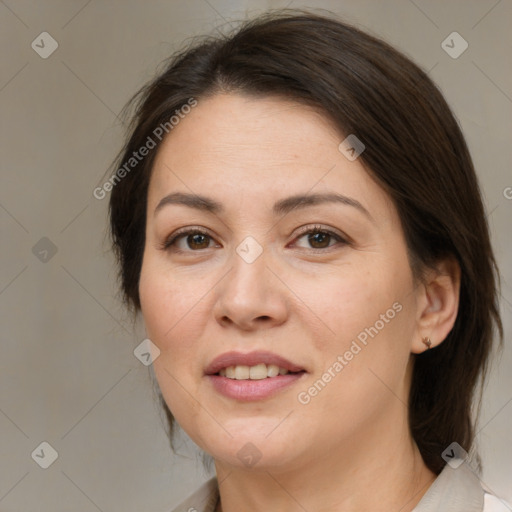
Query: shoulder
203,500
458,488
495,504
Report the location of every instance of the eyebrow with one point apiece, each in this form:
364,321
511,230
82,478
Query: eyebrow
281,207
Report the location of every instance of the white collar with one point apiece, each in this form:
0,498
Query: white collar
456,490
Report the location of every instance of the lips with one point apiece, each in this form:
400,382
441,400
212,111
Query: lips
250,359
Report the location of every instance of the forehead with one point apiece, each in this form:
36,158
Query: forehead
237,146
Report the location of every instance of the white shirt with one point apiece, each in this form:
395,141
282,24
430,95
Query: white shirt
454,490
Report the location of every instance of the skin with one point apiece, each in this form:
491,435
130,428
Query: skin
349,448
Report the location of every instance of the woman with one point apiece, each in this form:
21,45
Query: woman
297,218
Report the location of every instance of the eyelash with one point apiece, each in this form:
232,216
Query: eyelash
171,241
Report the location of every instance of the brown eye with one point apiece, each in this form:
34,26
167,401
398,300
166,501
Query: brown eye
320,238
191,240
198,241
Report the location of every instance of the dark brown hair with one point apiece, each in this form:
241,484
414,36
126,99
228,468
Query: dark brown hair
414,149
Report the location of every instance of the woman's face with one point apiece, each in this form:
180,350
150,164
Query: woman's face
323,284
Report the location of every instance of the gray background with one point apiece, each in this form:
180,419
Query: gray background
68,375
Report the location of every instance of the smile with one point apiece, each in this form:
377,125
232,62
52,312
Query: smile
257,372
252,376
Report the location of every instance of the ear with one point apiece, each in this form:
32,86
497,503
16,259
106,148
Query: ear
438,304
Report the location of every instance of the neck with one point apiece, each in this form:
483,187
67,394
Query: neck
379,469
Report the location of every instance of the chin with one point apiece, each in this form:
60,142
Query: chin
253,450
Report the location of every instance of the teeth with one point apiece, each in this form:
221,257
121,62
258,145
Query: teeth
241,372
257,372
273,370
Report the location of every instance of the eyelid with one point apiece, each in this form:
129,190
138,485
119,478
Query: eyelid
187,230
318,227
303,230
314,228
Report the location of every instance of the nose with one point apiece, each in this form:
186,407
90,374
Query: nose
251,296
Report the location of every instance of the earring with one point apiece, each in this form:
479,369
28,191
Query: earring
427,342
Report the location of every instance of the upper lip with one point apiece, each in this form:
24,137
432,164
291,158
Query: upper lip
250,359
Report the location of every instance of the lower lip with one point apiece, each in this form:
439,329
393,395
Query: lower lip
250,390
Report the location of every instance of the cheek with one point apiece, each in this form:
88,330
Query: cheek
167,303
370,314
173,316
353,300
374,322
